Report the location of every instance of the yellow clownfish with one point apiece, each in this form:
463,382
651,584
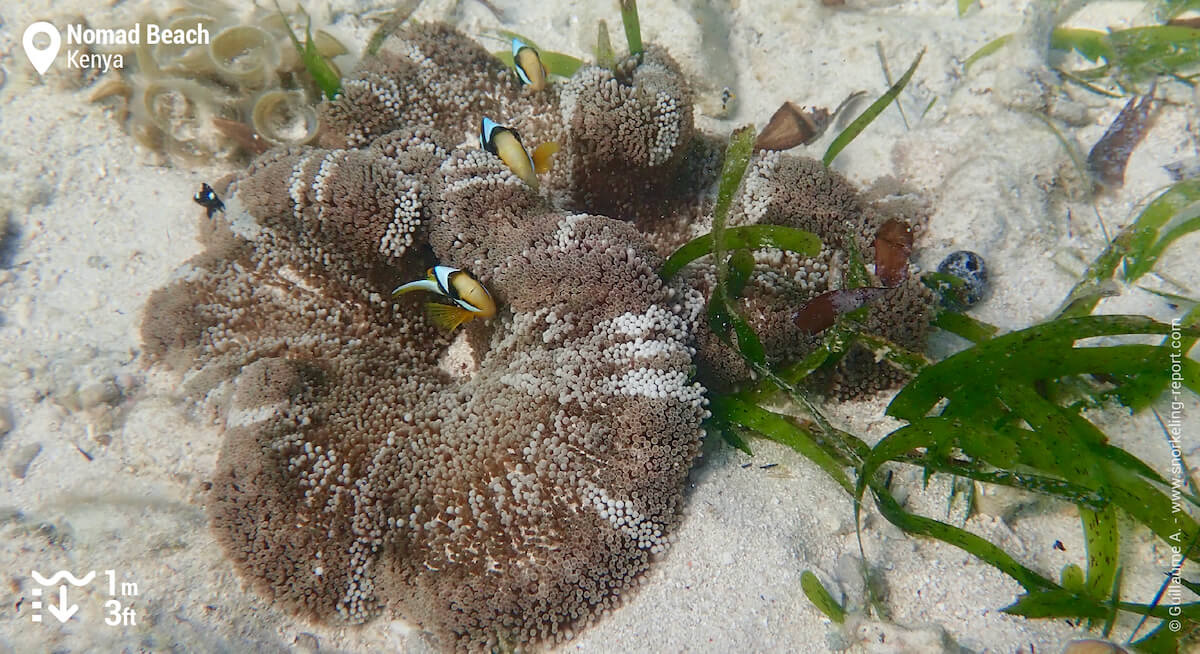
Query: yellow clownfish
470,299
529,66
504,142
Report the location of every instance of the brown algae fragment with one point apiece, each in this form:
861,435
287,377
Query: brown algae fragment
1108,158
893,245
791,126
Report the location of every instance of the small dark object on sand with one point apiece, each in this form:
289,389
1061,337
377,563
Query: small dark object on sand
893,245
969,267
791,126
207,198
1109,156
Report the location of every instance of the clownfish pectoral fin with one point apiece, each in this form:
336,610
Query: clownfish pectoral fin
447,316
543,156
419,285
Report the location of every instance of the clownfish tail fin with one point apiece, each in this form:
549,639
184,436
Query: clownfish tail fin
543,156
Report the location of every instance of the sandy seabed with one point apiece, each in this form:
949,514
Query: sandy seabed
104,467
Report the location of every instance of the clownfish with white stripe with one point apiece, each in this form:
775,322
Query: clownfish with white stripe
528,64
504,142
208,199
469,299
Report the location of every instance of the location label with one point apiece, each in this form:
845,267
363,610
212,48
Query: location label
41,58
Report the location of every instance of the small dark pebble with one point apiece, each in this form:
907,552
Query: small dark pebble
969,267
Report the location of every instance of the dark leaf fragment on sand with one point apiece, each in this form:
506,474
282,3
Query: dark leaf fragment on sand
791,126
1109,156
893,245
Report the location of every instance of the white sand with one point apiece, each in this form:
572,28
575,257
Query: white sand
117,478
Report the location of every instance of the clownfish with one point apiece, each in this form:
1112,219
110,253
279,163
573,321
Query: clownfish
208,199
504,142
529,65
470,300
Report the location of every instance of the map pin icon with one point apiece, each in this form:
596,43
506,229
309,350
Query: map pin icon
43,57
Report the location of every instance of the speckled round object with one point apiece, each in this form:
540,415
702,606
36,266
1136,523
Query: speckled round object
969,267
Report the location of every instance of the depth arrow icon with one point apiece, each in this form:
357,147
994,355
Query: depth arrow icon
62,612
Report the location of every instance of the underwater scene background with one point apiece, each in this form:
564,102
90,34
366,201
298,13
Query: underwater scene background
766,326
